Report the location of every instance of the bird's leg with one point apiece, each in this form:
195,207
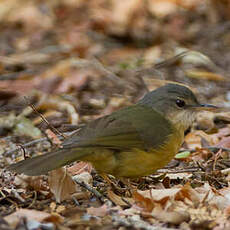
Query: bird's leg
130,189
127,190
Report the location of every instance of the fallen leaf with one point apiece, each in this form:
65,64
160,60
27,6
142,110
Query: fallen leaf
224,143
52,136
30,214
61,184
80,167
173,217
100,211
182,155
118,200
121,15
142,201
161,196
31,182
24,126
162,8
84,177
193,140
204,75
193,57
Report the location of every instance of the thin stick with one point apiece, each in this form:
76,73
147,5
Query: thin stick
98,195
212,148
31,143
178,171
43,118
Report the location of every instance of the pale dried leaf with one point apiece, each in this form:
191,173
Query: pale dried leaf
30,214
118,200
100,211
173,217
52,136
30,182
80,167
84,177
204,75
61,184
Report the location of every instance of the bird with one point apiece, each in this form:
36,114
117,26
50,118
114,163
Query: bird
132,142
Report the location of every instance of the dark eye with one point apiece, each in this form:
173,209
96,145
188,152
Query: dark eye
180,103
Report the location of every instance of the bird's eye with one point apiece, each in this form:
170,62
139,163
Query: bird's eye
180,103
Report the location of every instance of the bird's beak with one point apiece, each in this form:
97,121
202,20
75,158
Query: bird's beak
206,107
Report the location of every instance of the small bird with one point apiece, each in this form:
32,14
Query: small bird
132,142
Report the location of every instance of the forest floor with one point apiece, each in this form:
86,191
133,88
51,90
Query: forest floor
64,63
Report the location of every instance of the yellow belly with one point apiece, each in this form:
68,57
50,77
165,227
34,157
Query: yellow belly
135,162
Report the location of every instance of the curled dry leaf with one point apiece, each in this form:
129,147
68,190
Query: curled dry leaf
31,182
14,218
84,177
161,196
60,104
194,139
61,184
193,57
205,120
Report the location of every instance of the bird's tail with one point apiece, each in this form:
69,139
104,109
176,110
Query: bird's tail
44,163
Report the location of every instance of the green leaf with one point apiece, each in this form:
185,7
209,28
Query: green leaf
182,155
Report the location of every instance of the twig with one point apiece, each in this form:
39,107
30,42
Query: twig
171,60
178,171
33,201
16,194
212,148
98,195
34,142
24,151
43,118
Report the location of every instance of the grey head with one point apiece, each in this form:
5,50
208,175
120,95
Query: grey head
175,102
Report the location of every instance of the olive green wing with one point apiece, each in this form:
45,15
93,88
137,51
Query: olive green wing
132,127
135,126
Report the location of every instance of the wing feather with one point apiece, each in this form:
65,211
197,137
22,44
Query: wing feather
135,126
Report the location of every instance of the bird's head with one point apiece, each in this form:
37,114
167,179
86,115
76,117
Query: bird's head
175,102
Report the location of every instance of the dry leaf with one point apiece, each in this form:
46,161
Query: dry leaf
80,167
161,196
61,184
173,217
100,211
30,182
30,214
144,202
118,200
121,15
203,75
162,8
193,140
205,120
52,136
84,177
224,143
